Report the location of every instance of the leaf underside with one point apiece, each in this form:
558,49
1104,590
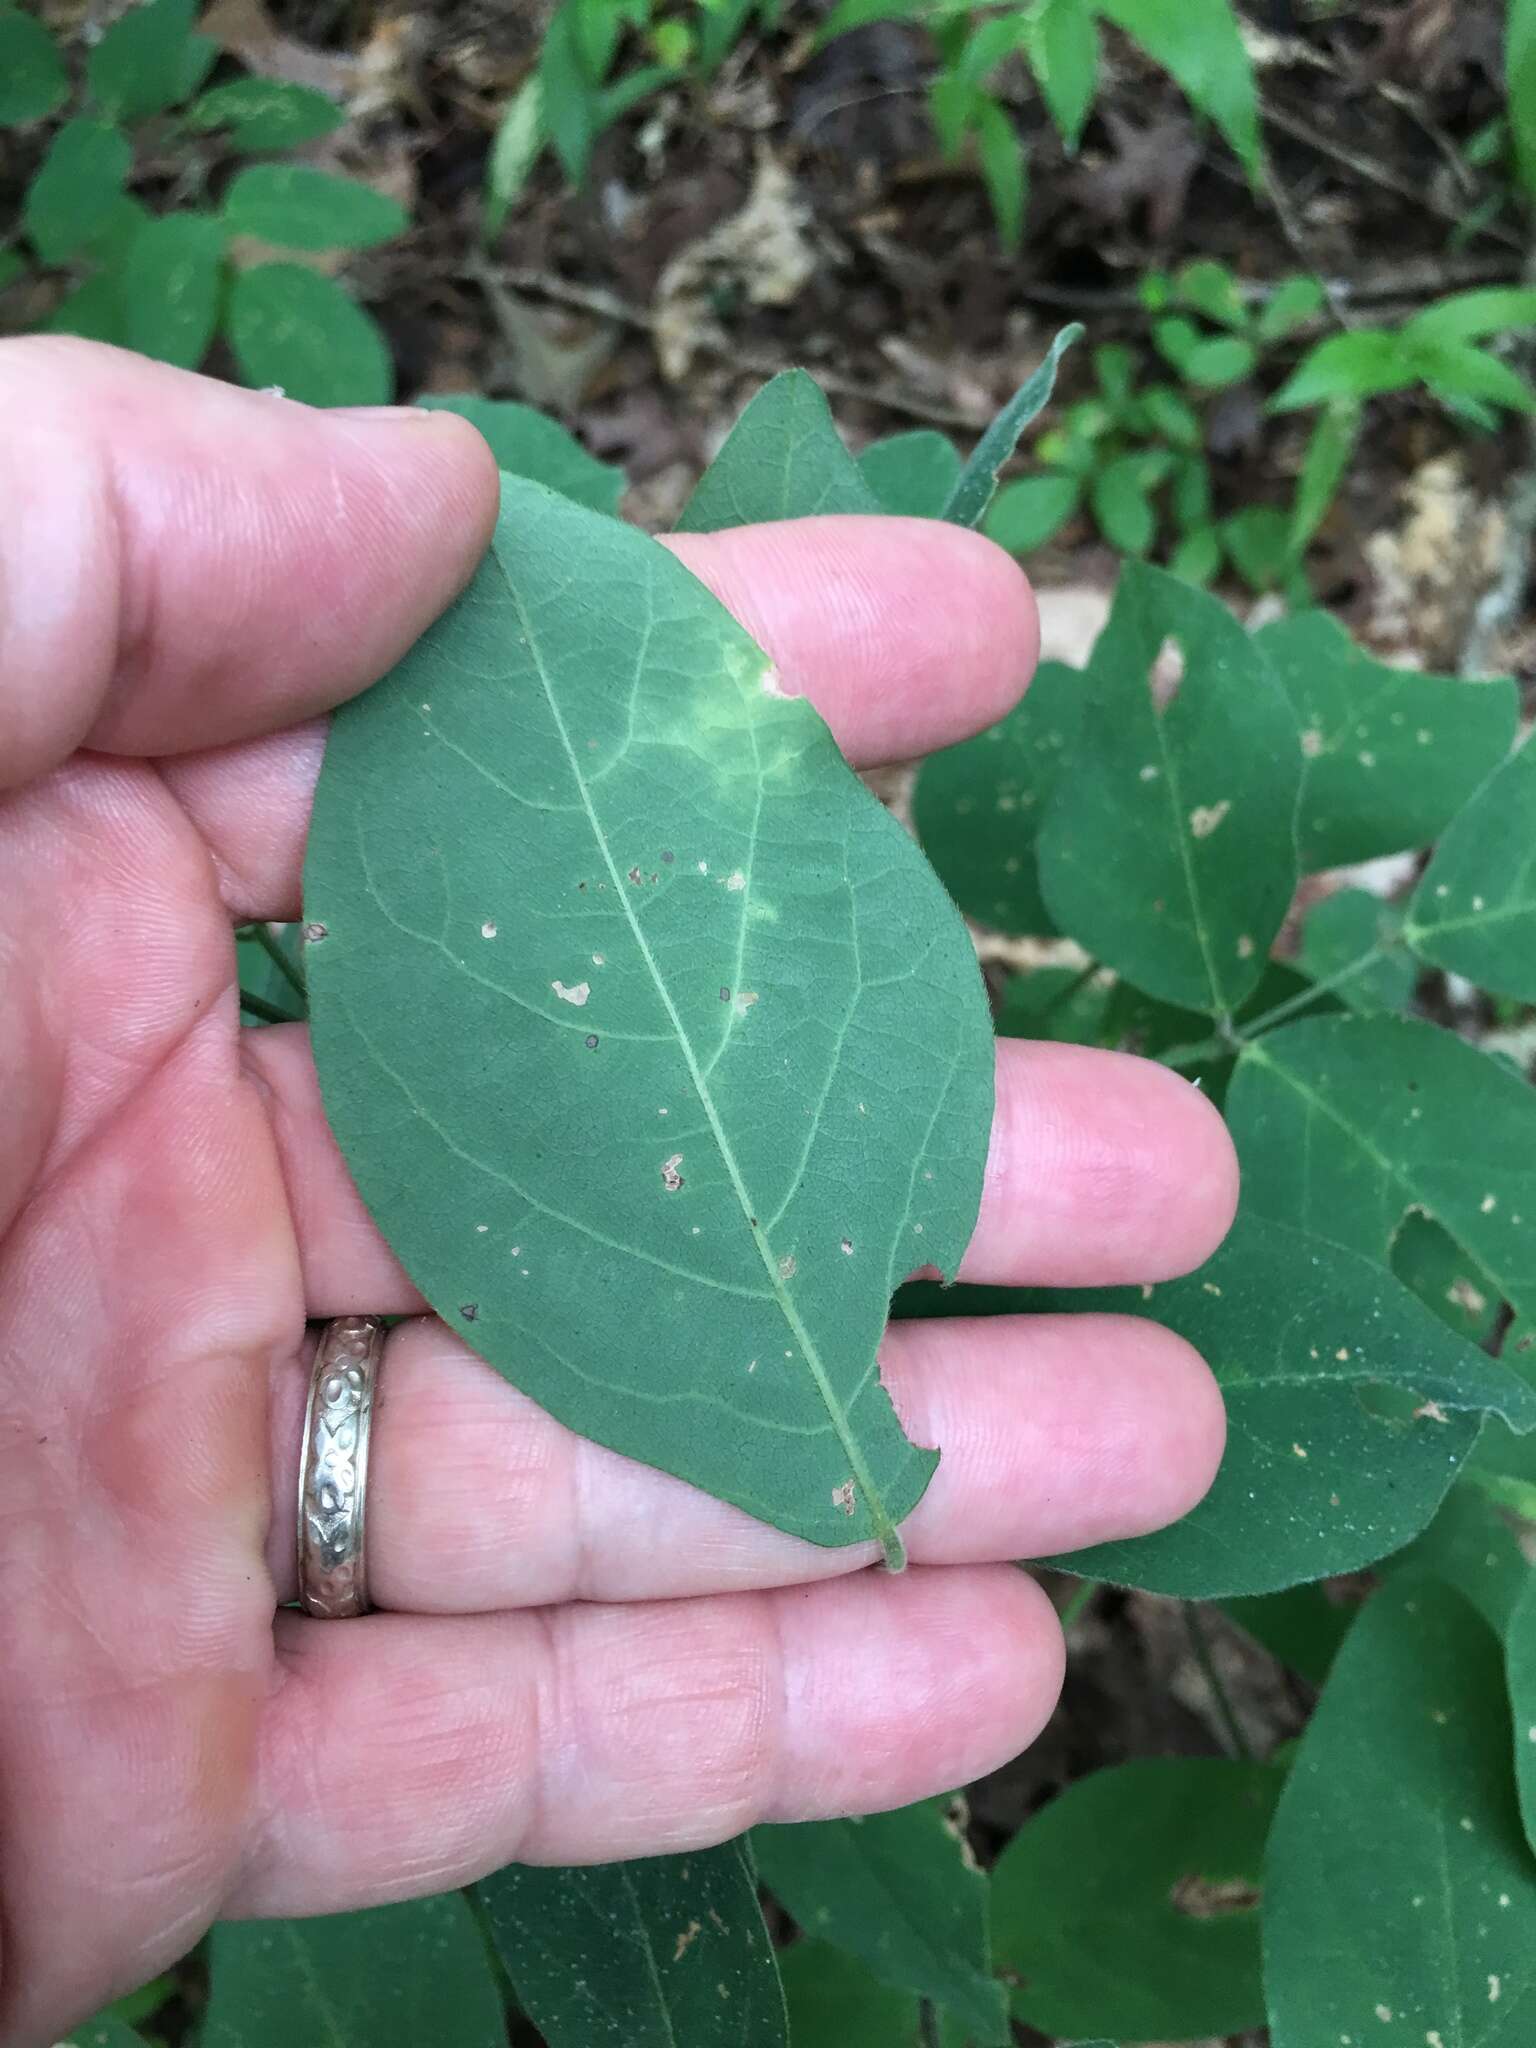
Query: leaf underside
654,1046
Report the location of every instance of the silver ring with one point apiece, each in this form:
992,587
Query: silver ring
333,1469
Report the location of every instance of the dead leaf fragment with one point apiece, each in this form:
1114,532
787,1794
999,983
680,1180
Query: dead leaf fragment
762,250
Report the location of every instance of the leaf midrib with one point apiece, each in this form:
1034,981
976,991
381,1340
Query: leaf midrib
884,1527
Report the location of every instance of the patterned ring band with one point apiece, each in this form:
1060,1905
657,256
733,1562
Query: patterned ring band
333,1469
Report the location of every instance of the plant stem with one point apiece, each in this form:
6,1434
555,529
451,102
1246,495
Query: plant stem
1303,996
1237,1742
1079,1604
269,1013
290,970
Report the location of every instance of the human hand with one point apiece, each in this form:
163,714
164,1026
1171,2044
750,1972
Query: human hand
584,1658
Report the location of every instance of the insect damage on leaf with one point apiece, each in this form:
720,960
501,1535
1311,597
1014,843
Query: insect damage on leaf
602,777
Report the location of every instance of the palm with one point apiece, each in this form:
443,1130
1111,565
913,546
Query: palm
172,1212
148,1287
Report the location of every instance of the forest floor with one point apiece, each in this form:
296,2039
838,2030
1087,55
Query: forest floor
797,210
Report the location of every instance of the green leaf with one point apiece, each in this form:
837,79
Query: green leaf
834,2002
295,207
1472,316
1350,1409
107,2031
1390,754
613,856
1427,1259
1218,362
852,14
1289,306
1176,339
1171,417
1057,1003
1349,1122
172,276
912,474
1063,51
139,66
1258,540
265,113
294,329
1474,911
993,39
901,1892
783,459
519,143
199,54
1198,43
1192,493
973,493
261,975
953,104
1174,1901
1004,169
1210,288
568,92
652,1954
722,25
1024,515
1115,366
1456,370
12,269
1348,366
33,81
528,443
1301,1628
1169,857
1520,1654
75,187
393,1977
1520,82
1399,1896
1197,557
1470,1545
1329,447
977,807
93,311
1351,925
616,100
1121,506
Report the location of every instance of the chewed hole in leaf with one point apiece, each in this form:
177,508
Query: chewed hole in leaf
1166,672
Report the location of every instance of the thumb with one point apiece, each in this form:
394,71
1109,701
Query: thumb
188,563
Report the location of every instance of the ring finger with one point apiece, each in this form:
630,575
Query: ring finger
1056,1431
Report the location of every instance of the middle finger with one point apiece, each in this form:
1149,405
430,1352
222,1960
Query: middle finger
1056,1432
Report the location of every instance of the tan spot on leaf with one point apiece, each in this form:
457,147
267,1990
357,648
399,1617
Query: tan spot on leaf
1204,818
